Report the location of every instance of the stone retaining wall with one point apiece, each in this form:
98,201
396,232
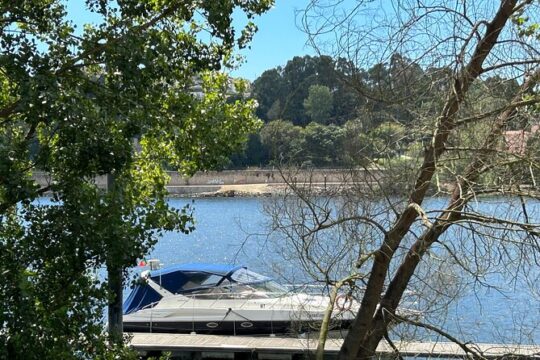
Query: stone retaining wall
209,181
44,179
260,176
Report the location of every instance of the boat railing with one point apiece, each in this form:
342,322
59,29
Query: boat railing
251,293
306,288
233,295
151,305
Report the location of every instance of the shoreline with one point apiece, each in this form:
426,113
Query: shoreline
241,190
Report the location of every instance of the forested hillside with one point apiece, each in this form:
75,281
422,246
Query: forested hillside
314,116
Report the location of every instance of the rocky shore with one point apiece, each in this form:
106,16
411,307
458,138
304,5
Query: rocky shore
243,190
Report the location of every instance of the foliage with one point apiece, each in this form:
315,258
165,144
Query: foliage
113,98
319,103
282,91
283,140
358,148
314,145
254,154
389,139
321,143
267,89
386,98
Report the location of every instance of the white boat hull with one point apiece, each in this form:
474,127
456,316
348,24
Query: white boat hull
293,313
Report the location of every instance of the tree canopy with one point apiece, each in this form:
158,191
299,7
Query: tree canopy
319,103
281,92
379,103
115,98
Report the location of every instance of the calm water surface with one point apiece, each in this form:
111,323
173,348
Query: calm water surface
224,233
231,230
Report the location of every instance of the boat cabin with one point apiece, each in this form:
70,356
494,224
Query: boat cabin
202,281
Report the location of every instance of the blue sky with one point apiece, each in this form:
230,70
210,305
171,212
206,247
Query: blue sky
277,40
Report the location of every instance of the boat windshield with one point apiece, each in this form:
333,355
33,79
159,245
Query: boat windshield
245,276
257,281
242,284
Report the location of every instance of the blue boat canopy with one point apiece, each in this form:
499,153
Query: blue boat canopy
140,297
185,279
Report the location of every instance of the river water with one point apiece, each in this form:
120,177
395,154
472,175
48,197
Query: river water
233,230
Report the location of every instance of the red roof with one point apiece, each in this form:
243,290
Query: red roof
516,140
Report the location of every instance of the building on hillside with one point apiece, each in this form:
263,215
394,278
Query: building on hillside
516,140
197,88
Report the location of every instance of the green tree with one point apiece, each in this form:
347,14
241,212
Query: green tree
274,113
358,147
269,89
319,103
74,104
283,140
323,145
254,154
389,139
298,75
281,91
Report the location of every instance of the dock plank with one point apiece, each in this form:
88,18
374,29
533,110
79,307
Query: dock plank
267,344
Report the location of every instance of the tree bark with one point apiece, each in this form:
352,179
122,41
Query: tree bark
115,286
360,335
115,283
457,202
319,354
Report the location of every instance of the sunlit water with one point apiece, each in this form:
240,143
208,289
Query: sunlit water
232,230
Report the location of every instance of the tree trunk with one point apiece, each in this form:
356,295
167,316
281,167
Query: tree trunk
116,326
362,338
323,334
457,202
115,285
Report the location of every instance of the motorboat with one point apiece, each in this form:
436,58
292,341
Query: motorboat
225,299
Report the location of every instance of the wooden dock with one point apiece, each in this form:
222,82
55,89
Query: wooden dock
186,346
